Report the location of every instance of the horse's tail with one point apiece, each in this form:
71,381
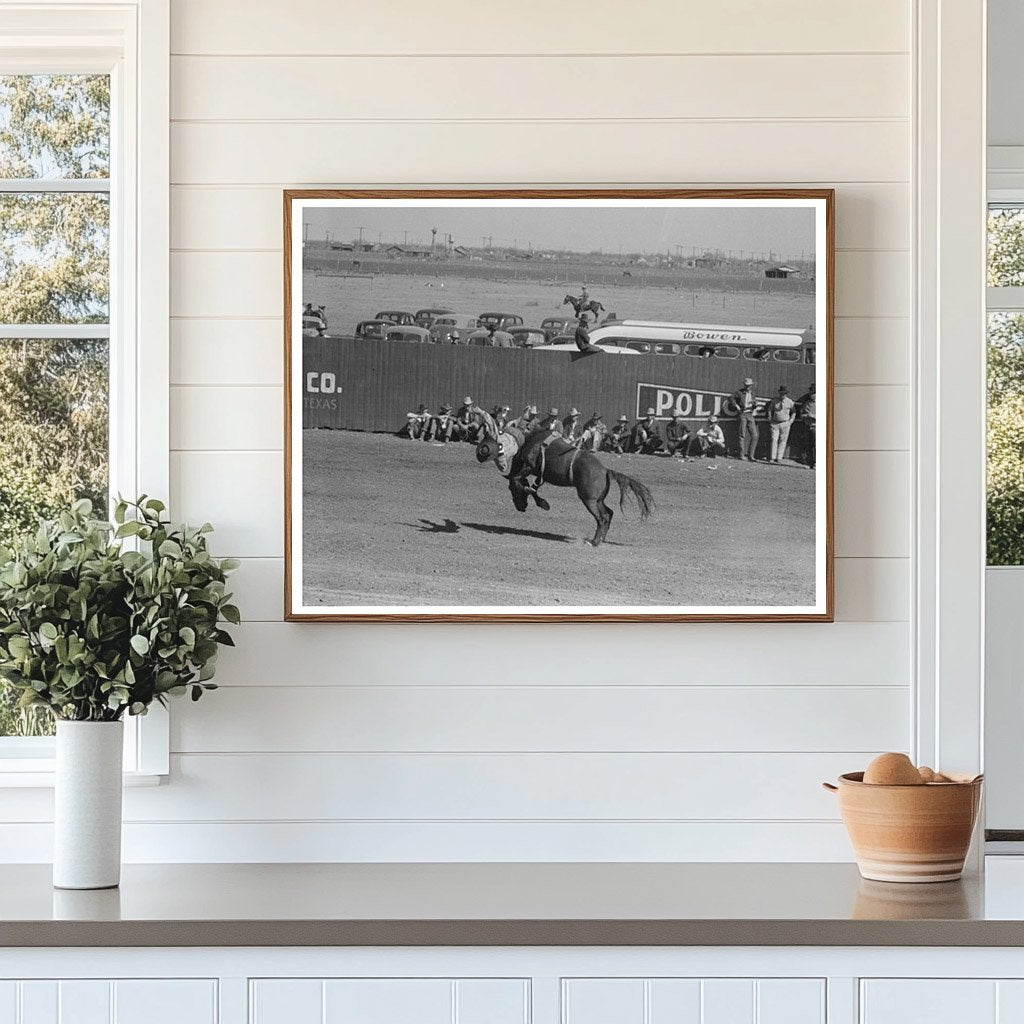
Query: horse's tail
644,498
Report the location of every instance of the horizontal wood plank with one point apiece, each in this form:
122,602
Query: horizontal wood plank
872,350
220,352
232,418
695,152
872,418
872,504
463,718
800,654
445,786
366,88
161,842
458,27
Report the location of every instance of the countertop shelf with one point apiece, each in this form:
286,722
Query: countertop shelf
493,904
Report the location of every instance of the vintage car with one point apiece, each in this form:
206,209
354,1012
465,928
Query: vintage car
500,321
453,328
426,317
396,316
372,330
416,335
528,337
555,325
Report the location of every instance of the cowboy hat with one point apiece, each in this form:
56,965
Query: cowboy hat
650,411
574,411
748,382
467,400
552,411
623,418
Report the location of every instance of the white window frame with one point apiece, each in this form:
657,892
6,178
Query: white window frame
130,41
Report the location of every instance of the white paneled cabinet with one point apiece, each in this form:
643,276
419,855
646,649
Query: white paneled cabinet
693,1001
389,1001
942,1001
103,1001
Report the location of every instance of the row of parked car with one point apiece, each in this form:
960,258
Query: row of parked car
448,327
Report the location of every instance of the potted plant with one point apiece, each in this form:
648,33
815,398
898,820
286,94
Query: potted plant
99,620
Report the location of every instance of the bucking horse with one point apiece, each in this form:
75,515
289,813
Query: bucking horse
548,458
581,306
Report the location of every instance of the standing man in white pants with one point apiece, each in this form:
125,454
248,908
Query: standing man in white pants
781,411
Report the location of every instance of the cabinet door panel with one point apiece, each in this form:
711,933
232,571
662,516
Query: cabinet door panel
388,1001
8,1002
286,1001
674,1000
148,1001
928,1001
603,1001
728,1001
84,1002
791,1001
492,1001
38,1002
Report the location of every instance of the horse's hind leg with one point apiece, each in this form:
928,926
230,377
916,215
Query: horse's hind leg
602,516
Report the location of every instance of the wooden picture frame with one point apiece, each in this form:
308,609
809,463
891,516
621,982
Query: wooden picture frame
360,387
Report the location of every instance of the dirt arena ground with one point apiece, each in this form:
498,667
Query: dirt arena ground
388,521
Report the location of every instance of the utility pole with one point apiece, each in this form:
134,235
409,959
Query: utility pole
361,237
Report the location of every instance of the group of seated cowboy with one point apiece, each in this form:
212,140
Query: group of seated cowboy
646,438
471,423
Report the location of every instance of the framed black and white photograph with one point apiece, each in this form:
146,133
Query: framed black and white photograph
559,405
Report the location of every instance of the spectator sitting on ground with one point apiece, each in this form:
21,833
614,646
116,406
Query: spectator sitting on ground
617,438
527,421
415,423
644,438
571,425
677,437
441,425
710,440
592,437
467,426
551,421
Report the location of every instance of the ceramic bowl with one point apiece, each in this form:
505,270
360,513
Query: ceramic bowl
909,833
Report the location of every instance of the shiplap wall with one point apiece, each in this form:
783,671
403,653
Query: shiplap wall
516,742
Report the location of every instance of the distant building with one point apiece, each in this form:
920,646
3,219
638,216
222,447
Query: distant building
707,262
419,251
781,272
343,246
460,250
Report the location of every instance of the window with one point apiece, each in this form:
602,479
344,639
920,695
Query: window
1005,470
54,293
83,265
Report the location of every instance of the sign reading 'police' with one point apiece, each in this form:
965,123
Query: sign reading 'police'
667,400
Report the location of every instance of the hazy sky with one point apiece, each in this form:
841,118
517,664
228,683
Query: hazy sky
784,232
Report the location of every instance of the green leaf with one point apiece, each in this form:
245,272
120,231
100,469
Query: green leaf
170,549
140,644
48,630
231,613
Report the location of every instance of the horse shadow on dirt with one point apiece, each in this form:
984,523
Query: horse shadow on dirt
450,526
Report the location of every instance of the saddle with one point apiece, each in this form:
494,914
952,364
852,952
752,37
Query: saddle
542,456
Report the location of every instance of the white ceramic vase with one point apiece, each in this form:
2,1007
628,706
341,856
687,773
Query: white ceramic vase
87,806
